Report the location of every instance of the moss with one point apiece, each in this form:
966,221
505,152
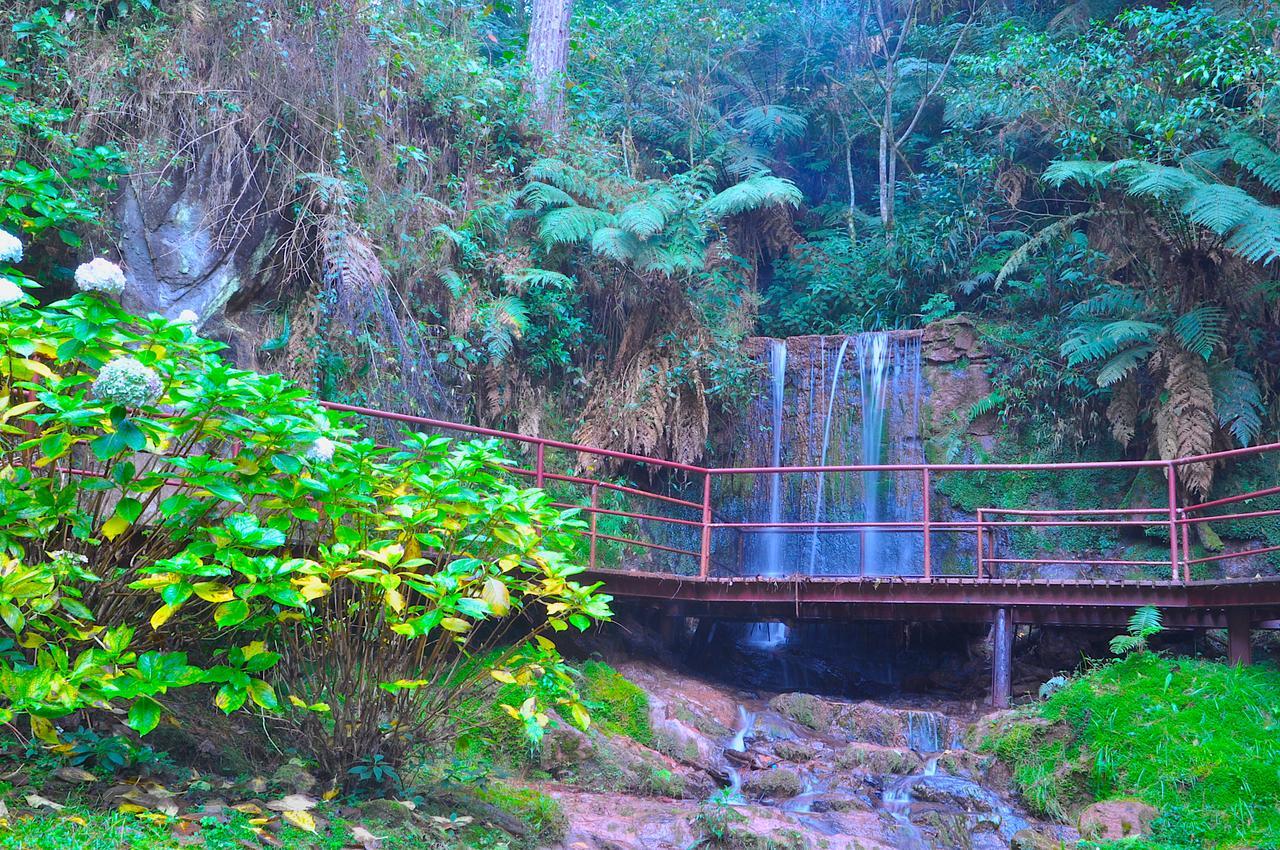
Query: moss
794,751
882,760
617,705
539,812
805,709
775,784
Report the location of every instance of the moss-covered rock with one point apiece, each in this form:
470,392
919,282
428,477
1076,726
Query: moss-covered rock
779,783
540,813
879,760
805,709
795,751
617,705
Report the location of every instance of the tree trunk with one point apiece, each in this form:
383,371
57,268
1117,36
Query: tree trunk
548,57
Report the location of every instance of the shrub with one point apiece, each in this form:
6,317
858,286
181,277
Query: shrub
216,526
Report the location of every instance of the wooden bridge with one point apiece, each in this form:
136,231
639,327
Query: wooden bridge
676,553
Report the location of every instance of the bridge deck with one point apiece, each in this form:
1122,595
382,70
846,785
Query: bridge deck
1202,604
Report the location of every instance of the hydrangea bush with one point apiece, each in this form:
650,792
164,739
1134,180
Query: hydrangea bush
168,520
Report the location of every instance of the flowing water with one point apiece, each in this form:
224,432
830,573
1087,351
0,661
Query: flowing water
839,400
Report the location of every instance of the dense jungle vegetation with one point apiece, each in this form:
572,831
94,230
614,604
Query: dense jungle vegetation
564,219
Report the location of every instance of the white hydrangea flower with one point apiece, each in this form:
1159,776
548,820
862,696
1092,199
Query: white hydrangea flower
188,317
10,292
126,381
10,248
99,275
322,450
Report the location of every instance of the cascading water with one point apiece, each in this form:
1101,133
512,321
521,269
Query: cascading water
818,407
822,461
774,537
873,367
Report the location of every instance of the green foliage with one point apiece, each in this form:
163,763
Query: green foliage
540,812
1143,625
1182,735
175,525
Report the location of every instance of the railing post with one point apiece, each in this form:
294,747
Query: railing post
1186,546
540,465
704,560
979,536
928,566
595,503
1172,472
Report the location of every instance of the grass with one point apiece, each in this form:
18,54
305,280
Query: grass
1200,741
79,828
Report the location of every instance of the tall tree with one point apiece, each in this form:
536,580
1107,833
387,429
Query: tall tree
548,55
884,28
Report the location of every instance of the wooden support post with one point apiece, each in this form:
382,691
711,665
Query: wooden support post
1239,652
1001,659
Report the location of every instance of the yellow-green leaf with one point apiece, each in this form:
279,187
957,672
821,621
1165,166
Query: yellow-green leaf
455,624
114,527
213,591
496,595
162,615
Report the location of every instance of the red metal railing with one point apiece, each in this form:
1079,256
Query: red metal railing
703,520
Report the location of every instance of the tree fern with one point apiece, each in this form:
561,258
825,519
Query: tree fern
643,219
540,196
1218,207
762,190
774,123
504,320
565,177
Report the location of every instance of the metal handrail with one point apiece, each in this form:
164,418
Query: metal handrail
1176,517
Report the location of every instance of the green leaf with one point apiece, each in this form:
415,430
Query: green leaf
144,715
231,613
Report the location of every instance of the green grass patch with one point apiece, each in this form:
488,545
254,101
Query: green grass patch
1200,741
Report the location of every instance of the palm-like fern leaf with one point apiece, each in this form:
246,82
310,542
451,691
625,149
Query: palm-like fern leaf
615,243
1238,402
1200,330
1256,157
567,225
773,122
762,190
1219,208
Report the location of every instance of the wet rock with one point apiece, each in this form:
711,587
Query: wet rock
876,759
953,791
1035,839
953,339
1115,819
805,709
842,804
964,763
795,751
925,731
564,746
780,783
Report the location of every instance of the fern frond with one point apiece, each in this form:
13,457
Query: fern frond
642,219
615,243
524,278
541,196
1256,157
505,319
567,225
565,177
762,190
1258,239
1019,257
773,122
1112,301
1087,173
1217,207
1238,402
1200,330
1160,181
1121,365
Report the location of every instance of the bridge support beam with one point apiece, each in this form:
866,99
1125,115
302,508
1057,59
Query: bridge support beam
1239,652
1001,659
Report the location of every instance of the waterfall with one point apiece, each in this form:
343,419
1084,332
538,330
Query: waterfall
822,461
873,371
773,537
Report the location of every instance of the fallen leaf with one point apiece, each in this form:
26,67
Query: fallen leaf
68,773
367,839
247,809
35,801
292,803
302,820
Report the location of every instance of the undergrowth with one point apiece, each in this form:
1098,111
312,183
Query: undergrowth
1198,740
